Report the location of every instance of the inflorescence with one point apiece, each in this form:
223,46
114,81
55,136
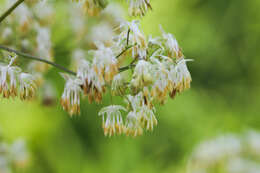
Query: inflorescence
156,69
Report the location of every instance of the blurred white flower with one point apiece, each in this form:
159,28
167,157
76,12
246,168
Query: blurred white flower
19,153
43,10
253,141
102,33
240,165
139,7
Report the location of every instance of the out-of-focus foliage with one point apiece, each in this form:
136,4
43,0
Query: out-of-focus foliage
221,36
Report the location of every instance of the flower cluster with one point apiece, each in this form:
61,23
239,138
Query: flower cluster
230,153
156,66
15,83
21,30
158,69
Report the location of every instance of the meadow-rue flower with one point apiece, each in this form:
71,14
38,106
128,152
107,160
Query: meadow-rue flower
171,44
142,75
180,76
135,37
27,86
139,7
118,85
160,86
133,126
147,117
8,80
70,99
112,119
105,63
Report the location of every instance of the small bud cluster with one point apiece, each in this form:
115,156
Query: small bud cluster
15,83
229,153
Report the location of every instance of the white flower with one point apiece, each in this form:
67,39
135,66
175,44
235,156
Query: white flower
27,86
147,118
161,86
180,76
43,38
139,7
212,151
8,80
118,86
113,122
7,32
77,56
103,33
70,99
19,153
253,140
171,45
143,112
133,126
23,15
43,10
136,38
142,74
44,49
114,11
105,63
91,6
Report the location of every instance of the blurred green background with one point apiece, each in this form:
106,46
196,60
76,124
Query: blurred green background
222,36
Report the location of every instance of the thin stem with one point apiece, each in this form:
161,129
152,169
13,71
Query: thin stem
122,69
128,47
10,10
27,56
127,38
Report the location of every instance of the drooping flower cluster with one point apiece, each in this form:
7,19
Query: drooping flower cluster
229,153
158,69
14,83
157,66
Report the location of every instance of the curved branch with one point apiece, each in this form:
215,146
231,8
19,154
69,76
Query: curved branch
10,10
27,56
